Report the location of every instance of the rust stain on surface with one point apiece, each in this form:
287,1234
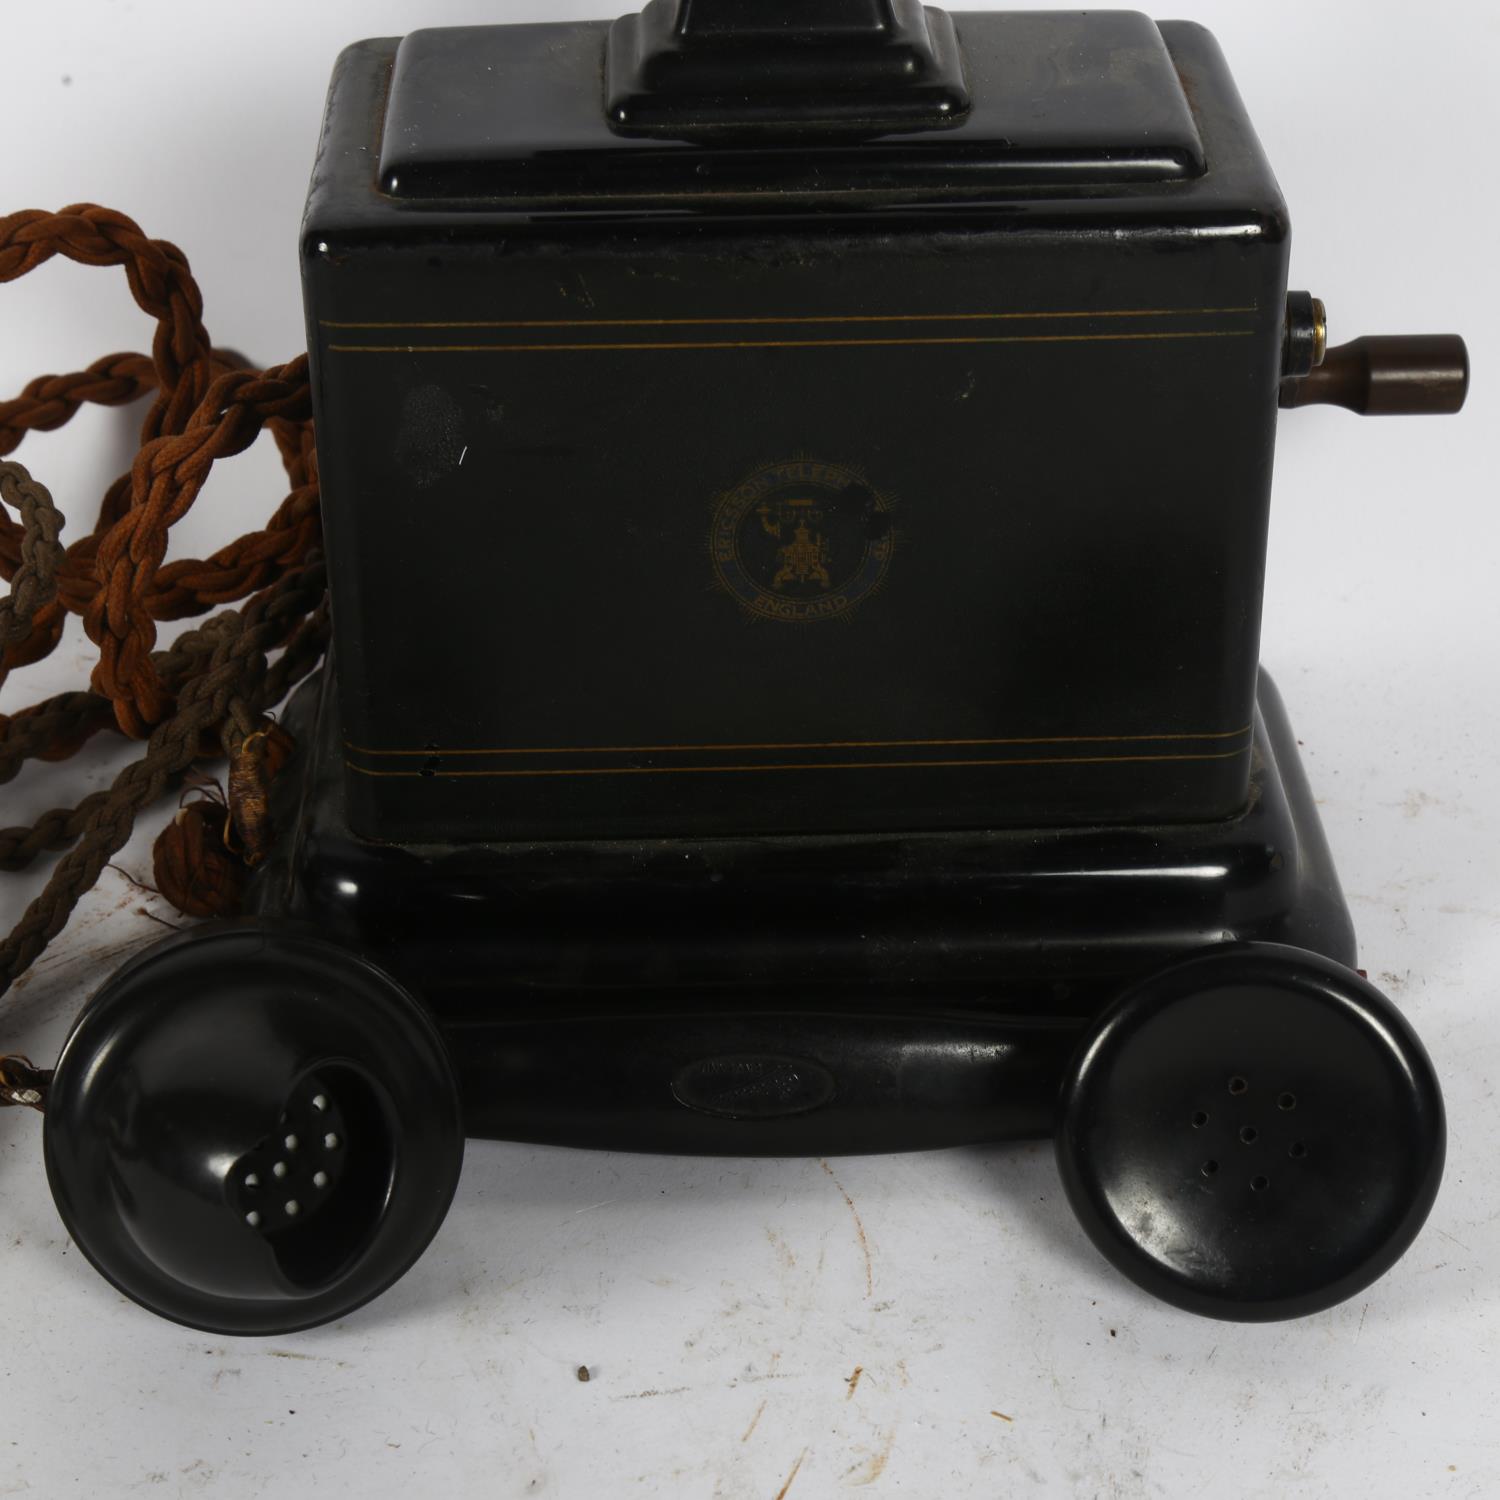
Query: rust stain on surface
754,1422
782,1249
859,1229
324,1359
781,1493
876,1466
853,1381
1002,1416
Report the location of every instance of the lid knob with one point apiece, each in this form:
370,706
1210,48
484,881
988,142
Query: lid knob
708,69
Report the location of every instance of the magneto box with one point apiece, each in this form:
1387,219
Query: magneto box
830,449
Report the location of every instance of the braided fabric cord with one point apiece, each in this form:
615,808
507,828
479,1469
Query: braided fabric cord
228,693
210,691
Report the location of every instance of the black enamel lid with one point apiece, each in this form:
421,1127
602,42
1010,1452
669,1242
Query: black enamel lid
695,97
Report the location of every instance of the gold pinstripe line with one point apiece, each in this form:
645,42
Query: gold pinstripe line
1019,338
857,765
984,317
1039,739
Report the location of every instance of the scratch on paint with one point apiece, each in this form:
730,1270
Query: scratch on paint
1002,1416
781,1493
859,1229
754,1421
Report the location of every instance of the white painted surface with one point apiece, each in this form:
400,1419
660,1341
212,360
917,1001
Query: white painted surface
722,1308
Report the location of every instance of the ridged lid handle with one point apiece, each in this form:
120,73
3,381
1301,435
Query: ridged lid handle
709,69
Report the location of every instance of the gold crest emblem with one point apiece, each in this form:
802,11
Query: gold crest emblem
802,540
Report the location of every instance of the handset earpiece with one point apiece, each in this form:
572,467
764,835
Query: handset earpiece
252,1131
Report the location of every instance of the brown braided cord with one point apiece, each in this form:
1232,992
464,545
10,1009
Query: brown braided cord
59,727
60,827
168,473
53,729
212,688
55,830
204,410
231,688
34,583
159,281
51,400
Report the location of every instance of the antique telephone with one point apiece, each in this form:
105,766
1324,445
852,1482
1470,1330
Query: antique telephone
838,437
